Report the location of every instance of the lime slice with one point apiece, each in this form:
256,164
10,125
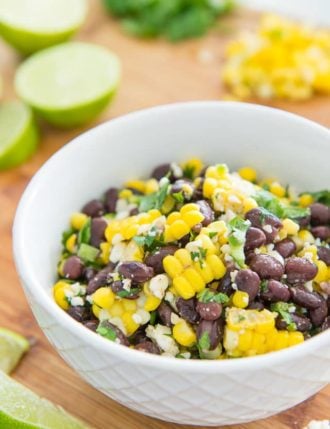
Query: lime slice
22,409
30,25
69,84
18,134
12,348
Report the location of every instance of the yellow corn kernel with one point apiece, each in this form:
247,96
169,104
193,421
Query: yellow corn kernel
112,229
183,287
306,236
217,266
270,339
189,208
152,302
78,220
117,309
129,304
289,228
205,272
277,189
96,310
249,204
172,266
143,219
154,214
168,205
168,237
219,171
130,325
125,194
139,185
179,229
322,272
295,337
258,343
248,173
209,187
195,165
151,186
173,217
184,257
305,200
103,297
245,341
207,243
184,334
281,341
105,252
240,299
70,243
194,279
59,292
266,323
129,231
192,218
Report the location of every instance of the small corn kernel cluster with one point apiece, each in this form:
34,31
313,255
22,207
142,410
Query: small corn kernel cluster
281,59
179,224
252,332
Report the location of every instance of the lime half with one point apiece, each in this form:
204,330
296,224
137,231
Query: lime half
12,348
30,25
22,409
18,134
69,84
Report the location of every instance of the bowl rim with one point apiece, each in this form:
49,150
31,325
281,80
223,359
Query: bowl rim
35,288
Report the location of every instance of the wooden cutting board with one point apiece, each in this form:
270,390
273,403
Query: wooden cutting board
154,72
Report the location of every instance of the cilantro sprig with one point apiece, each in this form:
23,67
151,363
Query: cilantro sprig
208,295
274,206
322,197
106,331
150,241
199,255
156,199
236,239
283,309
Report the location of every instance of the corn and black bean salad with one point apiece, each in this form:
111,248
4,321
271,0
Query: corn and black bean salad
197,262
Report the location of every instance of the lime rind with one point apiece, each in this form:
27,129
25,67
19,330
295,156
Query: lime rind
12,348
20,408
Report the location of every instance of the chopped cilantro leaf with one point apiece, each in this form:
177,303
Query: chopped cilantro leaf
155,200
264,286
84,234
189,172
272,204
208,295
199,256
212,234
125,293
236,239
322,197
178,196
204,342
105,330
151,241
153,317
283,309
88,253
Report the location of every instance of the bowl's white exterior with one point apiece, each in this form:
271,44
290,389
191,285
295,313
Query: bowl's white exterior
195,392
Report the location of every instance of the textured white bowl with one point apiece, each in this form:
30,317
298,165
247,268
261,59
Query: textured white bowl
195,392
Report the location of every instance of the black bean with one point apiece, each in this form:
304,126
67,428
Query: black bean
321,232
275,291
303,222
165,313
102,278
320,214
134,211
119,333
161,171
212,328
260,219
326,324
73,268
255,237
91,324
187,309
302,323
209,310
197,228
136,271
207,212
110,200
319,315
302,297
148,347
299,270
184,186
225,284
98,226
324,254
249,282
94,208
155,260
89,273
79,313
267,267
118,286
285,247
256,305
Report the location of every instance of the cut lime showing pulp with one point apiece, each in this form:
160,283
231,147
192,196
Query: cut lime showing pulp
69,84
12,348
18,134
22,409
30,25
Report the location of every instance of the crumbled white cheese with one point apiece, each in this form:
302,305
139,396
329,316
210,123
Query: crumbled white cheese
75,288
76,300
89,298
143,229
117,252
161,335
119,323
137,318
234,286
194,246
159,223
243,186
141,316
318,424
127,284
140,302
176,170
267,228
234,199
308,256
158,285
309,286
104,315
185,355
233,275
175,319
117,238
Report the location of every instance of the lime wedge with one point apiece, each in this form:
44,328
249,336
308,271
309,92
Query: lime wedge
18,134
30,25
12,348
22,409
69,84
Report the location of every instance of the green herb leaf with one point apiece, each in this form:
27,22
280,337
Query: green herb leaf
84,234
322,197
155,200
125,293
88,253
178,196
151,241
283,309
199,256
189,172
204,342
153,317
106,331
264,286
236,239
274,206
208,295
212,234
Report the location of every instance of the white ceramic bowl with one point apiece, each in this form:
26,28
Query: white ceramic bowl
195,392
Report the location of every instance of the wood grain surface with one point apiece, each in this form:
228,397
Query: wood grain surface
154,72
